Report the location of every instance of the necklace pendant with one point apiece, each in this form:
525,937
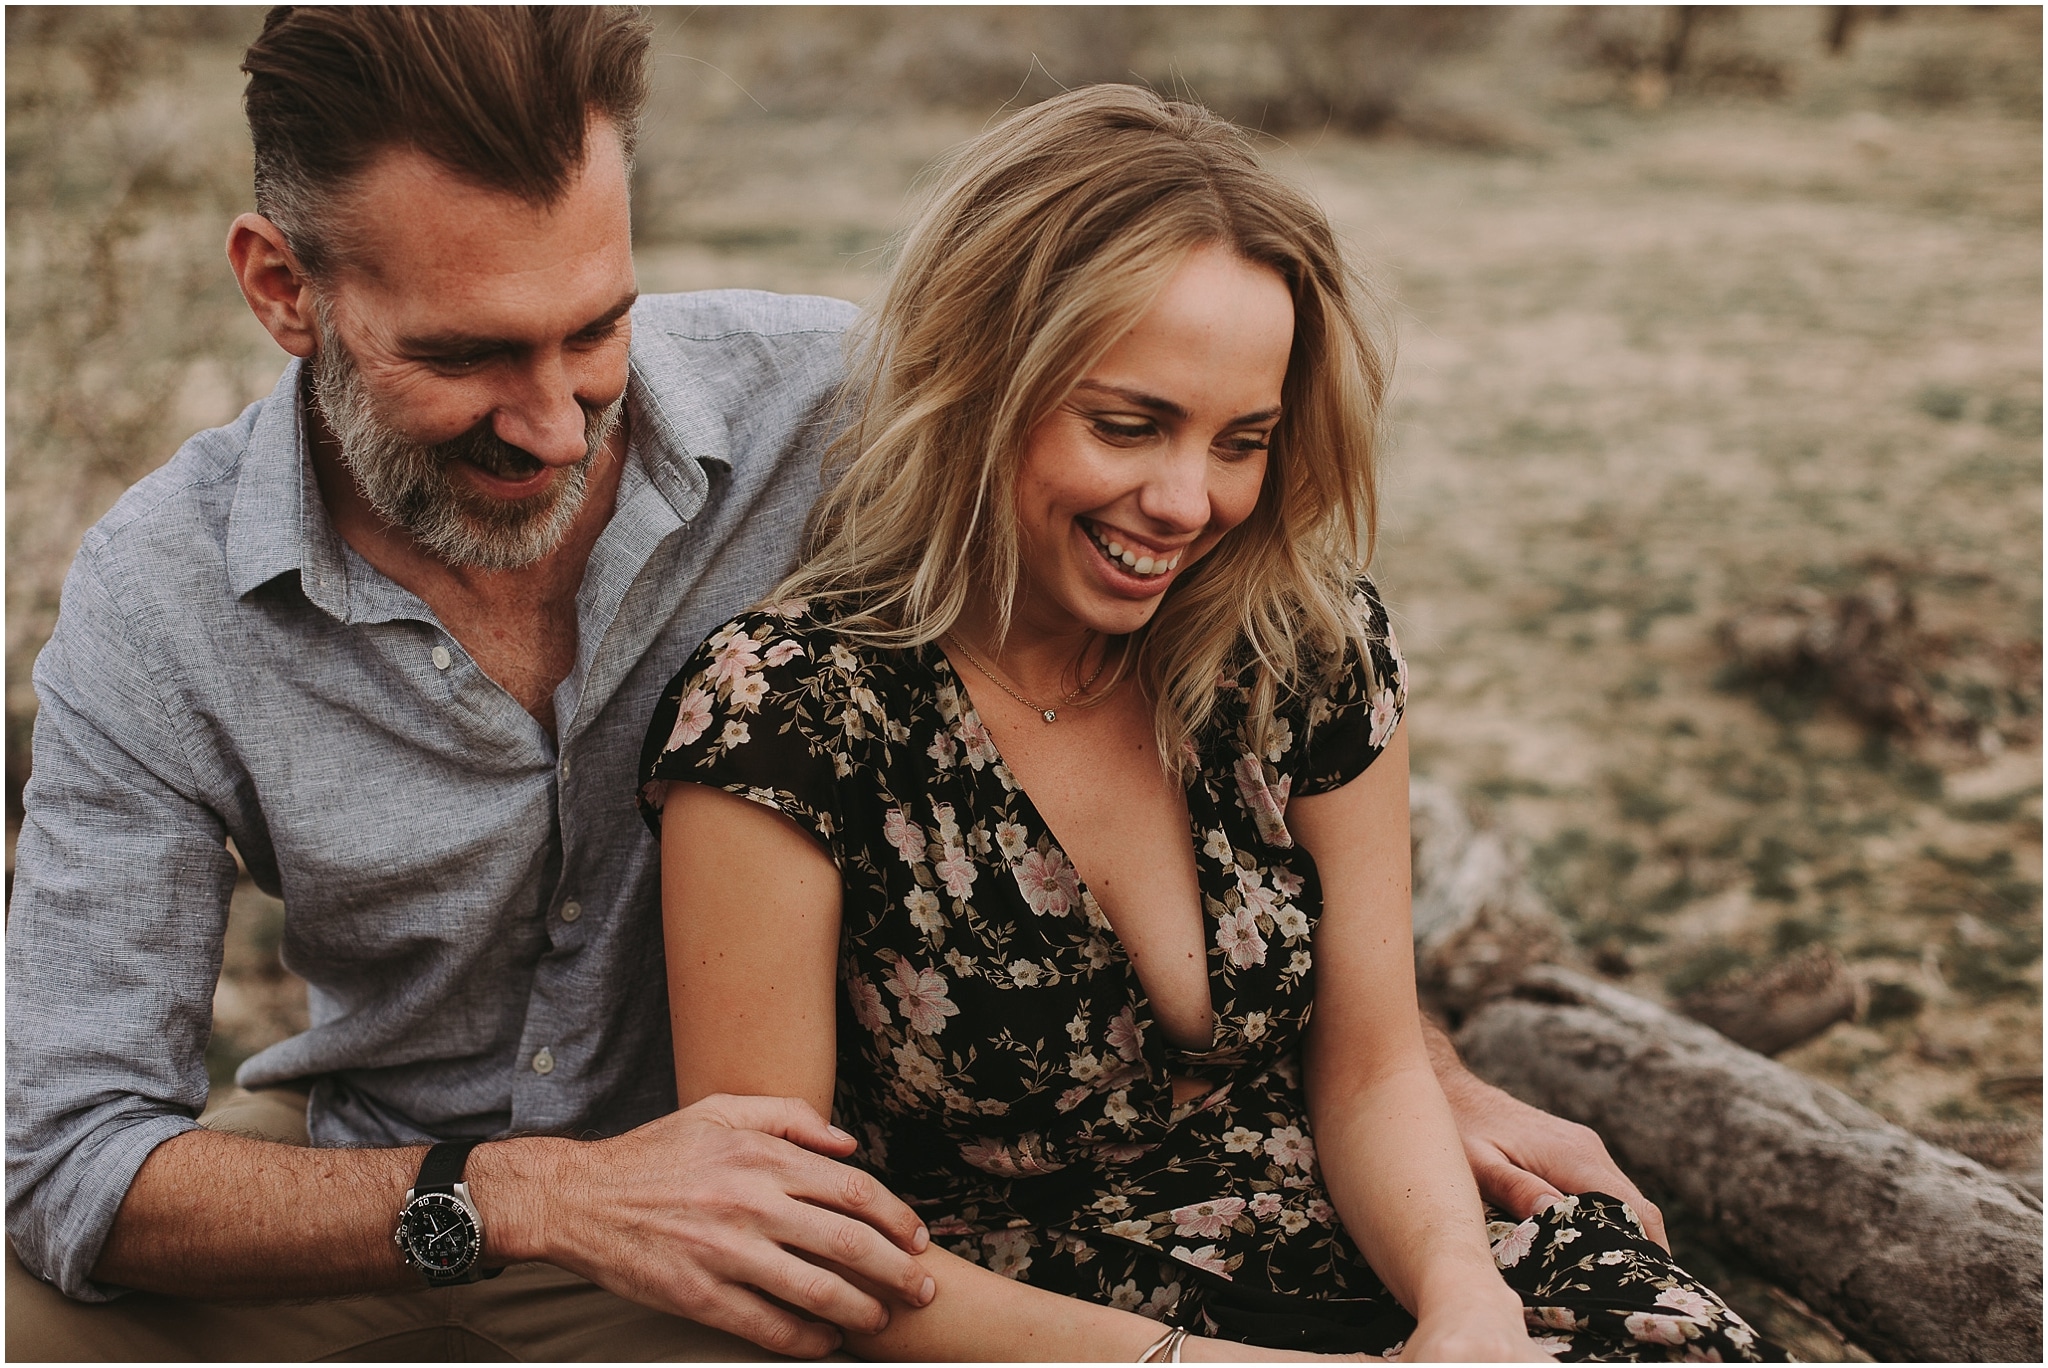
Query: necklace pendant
1051,716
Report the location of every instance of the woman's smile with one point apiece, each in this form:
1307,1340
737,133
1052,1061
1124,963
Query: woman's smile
1137,559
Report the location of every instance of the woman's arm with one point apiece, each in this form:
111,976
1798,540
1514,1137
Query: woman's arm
750,906
1386,1143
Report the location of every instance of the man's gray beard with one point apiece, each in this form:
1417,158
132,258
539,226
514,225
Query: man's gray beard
411,487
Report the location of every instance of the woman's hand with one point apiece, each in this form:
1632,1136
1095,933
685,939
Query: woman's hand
1466,1339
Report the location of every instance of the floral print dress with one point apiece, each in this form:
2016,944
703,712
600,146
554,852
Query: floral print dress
998,1058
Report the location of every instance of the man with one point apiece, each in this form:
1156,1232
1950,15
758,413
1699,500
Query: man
395,634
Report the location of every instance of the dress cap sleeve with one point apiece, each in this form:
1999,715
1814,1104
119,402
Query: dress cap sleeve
743,715
1347,722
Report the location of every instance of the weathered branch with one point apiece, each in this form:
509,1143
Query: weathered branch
1914,1251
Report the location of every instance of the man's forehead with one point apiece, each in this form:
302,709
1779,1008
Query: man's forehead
404,194
422,240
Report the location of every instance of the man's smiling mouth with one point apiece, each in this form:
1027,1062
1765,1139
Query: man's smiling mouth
503,460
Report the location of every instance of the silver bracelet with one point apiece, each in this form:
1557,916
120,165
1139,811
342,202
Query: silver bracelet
1165,1349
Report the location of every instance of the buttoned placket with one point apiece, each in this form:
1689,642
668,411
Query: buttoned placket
647,514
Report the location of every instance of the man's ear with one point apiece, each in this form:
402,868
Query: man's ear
279,291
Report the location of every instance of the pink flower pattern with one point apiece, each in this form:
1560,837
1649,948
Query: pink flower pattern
693,719
1237,935
905,835
1266,800
921,997
1048,881
956,871
1206,1220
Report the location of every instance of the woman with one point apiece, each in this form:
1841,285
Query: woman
1067,775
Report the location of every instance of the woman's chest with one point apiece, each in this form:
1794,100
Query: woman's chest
1094,782
986,974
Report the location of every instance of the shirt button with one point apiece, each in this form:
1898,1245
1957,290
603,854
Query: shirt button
544,1062
571,910
442,660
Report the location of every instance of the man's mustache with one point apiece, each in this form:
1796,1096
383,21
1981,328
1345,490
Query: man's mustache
484,449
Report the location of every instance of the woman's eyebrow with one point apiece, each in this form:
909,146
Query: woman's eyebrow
1153,403
1136,398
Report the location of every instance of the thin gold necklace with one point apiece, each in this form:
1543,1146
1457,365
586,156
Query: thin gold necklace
1051,715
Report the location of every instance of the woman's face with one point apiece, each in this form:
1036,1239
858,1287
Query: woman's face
1157,453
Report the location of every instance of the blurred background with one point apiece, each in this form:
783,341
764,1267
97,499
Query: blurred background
1713,504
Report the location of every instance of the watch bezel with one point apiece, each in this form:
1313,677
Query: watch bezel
431,1266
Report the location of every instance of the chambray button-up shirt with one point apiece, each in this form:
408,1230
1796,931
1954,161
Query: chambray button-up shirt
473,905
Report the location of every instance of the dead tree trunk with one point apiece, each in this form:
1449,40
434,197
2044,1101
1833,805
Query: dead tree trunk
1912,1250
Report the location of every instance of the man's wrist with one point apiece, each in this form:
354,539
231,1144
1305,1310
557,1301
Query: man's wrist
1459,1083
516,1185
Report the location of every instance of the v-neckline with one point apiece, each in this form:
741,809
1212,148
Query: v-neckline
1212,952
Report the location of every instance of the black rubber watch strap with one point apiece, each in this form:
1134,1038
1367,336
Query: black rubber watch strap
442,1168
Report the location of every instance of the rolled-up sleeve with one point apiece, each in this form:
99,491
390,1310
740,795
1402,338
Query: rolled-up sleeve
114,934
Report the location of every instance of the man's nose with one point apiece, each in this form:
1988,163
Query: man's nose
541,414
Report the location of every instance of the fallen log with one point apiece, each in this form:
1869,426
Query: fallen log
1914,1251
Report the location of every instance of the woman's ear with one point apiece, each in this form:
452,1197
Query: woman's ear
279,291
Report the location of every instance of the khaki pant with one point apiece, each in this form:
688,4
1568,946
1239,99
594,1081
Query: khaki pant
530,1312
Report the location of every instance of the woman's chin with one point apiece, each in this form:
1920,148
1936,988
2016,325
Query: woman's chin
1113,614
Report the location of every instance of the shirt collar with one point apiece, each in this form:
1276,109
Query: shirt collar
279,522
675,426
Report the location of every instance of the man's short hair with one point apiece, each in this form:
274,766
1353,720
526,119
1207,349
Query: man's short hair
501,97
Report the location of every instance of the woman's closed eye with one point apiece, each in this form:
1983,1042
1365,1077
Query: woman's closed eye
1123,432
1238,446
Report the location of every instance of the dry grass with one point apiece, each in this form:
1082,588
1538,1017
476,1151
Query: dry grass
1676,340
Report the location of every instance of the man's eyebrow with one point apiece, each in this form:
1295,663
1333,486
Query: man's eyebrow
1153,403
428,344
609,316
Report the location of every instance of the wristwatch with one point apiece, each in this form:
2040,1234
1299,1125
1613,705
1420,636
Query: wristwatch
439,1230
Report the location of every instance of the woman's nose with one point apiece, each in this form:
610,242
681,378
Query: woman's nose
1177,494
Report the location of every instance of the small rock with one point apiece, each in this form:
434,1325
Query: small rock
1781,1005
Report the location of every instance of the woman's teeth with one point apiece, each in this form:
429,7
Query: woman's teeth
1131,560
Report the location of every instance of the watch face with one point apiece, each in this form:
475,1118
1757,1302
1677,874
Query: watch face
438,1234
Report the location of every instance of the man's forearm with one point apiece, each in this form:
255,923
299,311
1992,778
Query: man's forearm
1443,1055
229,1218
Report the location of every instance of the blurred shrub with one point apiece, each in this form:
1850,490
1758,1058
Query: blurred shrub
1277,68
126,158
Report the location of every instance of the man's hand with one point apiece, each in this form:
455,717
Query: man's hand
1521,1157
727,1212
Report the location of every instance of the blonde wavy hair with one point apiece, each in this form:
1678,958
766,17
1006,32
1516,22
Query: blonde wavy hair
1042,243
